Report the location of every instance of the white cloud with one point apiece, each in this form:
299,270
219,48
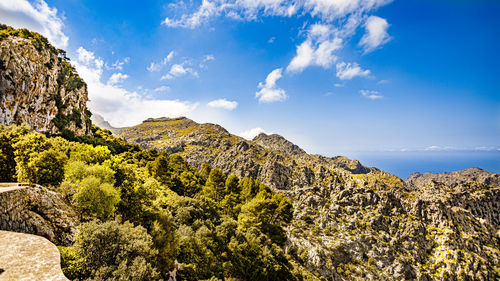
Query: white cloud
223,103
118,65
347,71
117,78
37,17
162,89
252,133
375,34
335,22
118,105
157,66
208,57
178,70
373,95
318,49
207,10
269,92
325,10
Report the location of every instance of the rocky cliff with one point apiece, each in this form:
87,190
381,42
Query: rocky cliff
38,86
352,222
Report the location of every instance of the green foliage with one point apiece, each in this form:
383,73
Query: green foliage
36,39
215,187
91,188
267,214
96,198
47,168
38,160
105,138
91,154
204,224
8,136
110,251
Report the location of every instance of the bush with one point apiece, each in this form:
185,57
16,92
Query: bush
96,198
110,251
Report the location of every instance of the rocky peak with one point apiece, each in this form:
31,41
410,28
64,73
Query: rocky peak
459,180
39,87
278,143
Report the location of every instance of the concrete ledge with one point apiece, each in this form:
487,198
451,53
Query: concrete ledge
28,257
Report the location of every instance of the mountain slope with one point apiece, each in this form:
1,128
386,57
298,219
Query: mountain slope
352,222
38,86
271,159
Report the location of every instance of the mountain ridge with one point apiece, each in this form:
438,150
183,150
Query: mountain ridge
348,217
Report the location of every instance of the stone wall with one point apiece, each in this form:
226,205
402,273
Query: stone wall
36,210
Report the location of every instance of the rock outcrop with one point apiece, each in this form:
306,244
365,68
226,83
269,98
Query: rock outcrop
352,222
36,210
271,159
39,87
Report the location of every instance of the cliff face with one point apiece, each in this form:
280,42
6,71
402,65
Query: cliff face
352,222
38,86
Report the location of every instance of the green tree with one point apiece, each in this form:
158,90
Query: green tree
96,198
25,149
248,189
110,251
9,135
204,172
46,168
215,186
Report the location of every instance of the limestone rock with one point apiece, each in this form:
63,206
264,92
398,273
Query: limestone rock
38,87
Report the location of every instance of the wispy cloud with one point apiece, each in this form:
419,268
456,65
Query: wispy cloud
375,34
223,103
118,105
117,78
162,89
269,92
324,10
208,57
178,70
37,17
373,95
157,66
347,71
252,133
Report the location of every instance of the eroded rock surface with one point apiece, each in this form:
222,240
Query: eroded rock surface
40,88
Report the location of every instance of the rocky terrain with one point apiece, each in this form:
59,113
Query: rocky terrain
271,159
38,86
352,222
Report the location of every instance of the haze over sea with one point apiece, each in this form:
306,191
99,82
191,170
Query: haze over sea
402,164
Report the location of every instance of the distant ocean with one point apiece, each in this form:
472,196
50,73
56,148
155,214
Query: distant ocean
402,164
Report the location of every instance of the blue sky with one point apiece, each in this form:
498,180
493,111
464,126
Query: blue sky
350,77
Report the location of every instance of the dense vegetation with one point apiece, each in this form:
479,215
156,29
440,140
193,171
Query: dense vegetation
146,214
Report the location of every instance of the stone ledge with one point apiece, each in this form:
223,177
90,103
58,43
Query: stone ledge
28,257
